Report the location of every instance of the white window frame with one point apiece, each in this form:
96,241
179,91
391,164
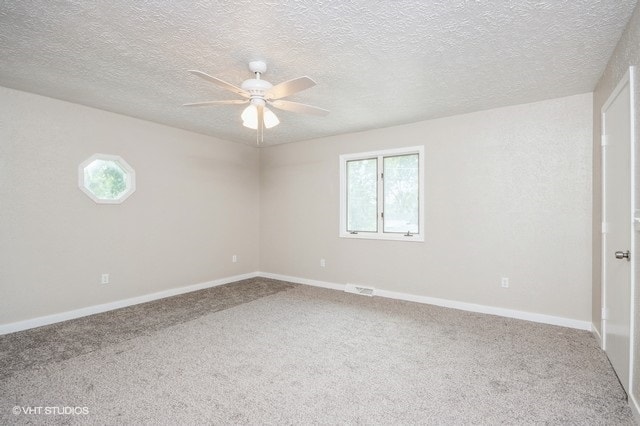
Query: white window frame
380,234
130,179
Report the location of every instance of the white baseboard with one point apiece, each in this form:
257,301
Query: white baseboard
596,334
90,310
635,408
297,280
96,309
472,307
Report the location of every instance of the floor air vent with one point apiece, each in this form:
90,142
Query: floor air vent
359,289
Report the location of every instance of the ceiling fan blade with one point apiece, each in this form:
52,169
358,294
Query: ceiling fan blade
220,83
298,107
260,135
227,102
290,87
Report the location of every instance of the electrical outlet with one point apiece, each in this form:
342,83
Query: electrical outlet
234,258
105,279
323,263
504,283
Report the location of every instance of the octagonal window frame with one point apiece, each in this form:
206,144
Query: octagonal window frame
130,178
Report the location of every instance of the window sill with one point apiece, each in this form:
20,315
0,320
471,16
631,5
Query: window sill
416,238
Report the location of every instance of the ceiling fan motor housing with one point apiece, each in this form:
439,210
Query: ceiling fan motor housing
256,87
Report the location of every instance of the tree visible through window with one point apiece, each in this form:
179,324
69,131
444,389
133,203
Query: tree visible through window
381,194
362,209
401,195
107,178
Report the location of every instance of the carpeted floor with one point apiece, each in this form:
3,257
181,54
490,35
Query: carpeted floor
263,351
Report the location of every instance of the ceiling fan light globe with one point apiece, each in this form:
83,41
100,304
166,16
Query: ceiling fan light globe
250,118
250,125
270,119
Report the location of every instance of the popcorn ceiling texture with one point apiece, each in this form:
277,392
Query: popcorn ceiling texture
377,64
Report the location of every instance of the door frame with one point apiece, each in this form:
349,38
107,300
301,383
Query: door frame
629,79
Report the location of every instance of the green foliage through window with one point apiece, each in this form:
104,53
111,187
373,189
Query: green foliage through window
381,194
401,195
105,179
362,194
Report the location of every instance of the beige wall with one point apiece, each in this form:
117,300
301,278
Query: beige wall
195,205
627,53
508,193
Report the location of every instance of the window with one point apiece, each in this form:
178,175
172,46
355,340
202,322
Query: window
106,178
381,194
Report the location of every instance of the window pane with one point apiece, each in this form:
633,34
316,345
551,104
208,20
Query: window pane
105,179
401,194
362,194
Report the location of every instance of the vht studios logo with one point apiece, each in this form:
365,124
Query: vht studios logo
51,411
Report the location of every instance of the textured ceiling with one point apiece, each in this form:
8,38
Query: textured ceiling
377,63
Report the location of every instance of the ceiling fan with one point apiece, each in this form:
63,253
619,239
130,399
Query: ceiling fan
258,94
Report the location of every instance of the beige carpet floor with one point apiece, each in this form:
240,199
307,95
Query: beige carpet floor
267,352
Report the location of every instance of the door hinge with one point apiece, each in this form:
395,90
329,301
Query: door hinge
382,215
381,175
605,314
604,140
605,227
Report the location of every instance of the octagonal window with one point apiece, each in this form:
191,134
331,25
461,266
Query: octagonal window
106,178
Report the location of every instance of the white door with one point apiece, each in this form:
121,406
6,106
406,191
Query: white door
617,228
